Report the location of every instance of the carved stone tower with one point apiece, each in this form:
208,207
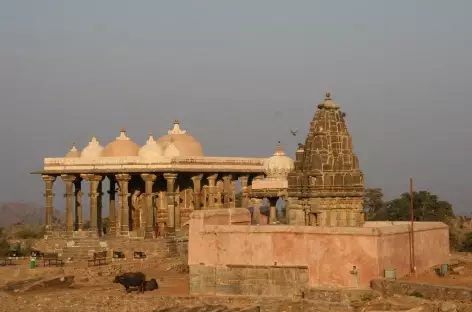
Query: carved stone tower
326,188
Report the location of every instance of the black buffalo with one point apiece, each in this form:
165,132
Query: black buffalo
151,285
129,280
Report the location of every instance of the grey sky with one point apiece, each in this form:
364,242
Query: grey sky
400,69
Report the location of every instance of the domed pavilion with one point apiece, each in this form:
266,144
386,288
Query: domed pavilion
156,185
274,185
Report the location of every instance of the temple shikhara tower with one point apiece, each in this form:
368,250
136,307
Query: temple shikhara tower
326,188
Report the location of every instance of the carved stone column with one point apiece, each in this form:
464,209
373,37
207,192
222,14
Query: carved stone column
112,206
233,194
123,180
162,212
147,223
244,191
170,177
49,195
94,181
212,190
69,196
78,204
256,215
177,215
227,190
197,184
204,197
99,205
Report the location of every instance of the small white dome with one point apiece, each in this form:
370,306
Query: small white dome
74,152
279,165
171,151
151,150
92,150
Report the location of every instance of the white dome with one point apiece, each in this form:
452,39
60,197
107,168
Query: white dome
279,165
151,150
171,151
92,150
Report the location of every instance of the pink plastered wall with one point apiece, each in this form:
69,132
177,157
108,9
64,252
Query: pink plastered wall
225,236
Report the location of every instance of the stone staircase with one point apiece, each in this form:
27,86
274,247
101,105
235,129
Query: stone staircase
83,248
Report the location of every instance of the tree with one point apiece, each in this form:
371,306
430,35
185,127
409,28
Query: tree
426,207
373,202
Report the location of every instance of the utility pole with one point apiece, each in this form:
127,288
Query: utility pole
412,236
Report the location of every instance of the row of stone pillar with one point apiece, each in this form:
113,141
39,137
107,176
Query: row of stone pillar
169,215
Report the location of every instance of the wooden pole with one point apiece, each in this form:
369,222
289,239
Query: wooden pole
412,242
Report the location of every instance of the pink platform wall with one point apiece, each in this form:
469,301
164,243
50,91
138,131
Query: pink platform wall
224,236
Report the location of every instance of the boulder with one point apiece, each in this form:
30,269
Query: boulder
447,307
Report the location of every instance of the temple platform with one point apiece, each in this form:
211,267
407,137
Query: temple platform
286,260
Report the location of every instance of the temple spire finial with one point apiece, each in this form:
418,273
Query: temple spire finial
74,147
176,129
123,135
328,95
279,151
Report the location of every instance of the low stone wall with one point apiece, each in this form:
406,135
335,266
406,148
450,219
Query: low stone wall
335,256
427,291
247,280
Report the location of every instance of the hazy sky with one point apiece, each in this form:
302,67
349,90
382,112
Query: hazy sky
238,74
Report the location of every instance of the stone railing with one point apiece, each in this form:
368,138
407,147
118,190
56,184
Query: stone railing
162,163
135,160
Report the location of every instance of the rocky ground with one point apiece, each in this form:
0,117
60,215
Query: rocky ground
78,288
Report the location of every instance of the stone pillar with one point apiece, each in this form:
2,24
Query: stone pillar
170,177
233,194
333,218
197,184
162,212
112,205
99,206
177,214
123,180
342,221
256,215
78,204
211,190
148,221
94,181
272,214
69,196
205,196
244,192
49,195
227,190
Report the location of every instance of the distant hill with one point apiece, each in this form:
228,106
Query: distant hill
26,213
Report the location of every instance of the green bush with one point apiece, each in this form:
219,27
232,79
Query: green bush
28,233
417,294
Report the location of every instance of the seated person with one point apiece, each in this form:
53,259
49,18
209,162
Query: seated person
265,207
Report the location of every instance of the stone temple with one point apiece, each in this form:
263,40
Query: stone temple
157,189
157,185
327,187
